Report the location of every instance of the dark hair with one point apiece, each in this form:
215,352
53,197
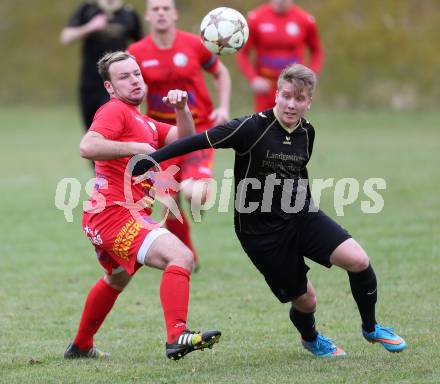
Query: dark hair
108,59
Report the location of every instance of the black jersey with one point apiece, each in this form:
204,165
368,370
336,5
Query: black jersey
271,180
269,164
123,27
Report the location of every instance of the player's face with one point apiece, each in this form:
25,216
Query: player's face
126,82
291,103
161,14
281,6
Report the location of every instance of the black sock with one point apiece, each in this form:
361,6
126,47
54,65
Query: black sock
304,323
364,289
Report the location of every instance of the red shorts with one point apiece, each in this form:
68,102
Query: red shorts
121,240
196,165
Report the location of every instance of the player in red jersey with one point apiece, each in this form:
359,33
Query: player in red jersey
279,33
171,58
117,219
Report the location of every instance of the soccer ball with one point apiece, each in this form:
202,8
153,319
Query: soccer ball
224,31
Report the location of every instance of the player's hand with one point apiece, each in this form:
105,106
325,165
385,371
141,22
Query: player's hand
219,116
261,85
176,99
137,148
148,149
97,23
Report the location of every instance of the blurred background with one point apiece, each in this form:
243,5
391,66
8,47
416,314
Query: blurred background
379,54
376,115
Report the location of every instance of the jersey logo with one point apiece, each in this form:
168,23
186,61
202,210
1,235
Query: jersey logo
292,29
267,27
153,127
150,63
144,123
180,59
287,141
262,115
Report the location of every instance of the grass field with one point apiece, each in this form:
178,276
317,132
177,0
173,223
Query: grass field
47,266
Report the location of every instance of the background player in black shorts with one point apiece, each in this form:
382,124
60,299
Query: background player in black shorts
275,218
104,26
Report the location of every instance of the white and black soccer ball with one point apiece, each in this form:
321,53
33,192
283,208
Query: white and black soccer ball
224,31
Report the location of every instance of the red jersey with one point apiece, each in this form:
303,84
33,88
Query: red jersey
279,39
179,67
120,121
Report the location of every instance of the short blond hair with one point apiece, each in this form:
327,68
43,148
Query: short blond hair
108,59
299,75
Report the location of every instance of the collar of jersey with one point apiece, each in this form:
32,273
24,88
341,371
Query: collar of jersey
289,130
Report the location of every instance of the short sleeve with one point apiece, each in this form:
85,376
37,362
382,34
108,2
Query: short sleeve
208,60
109,121
253,27
162,131
77,18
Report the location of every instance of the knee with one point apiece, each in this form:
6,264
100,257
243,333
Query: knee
187,194
183,258
117,282
350,256
360,260
196,192
306,303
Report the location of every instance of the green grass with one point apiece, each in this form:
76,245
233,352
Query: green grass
47,267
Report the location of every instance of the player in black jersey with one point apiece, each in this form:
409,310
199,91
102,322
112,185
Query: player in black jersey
104,26
275,218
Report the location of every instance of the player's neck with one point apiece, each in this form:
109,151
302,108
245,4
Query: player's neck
164,39
130,103
289,128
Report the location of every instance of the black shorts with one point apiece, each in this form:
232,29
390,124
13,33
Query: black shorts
279,256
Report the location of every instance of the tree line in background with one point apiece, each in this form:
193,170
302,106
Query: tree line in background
378,53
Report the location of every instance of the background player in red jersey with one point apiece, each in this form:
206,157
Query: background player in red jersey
279,33
171,58
103,26
124,236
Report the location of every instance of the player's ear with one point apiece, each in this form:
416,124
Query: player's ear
109,87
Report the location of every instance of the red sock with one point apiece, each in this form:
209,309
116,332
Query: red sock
182,231
98,304
174,296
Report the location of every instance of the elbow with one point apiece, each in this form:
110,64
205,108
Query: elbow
85,150
223,72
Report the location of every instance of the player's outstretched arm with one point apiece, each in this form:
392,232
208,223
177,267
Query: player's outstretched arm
72,34
95,146
177,148
235,134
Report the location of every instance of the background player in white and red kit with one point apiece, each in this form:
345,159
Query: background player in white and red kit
123,234
280,32
171,58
